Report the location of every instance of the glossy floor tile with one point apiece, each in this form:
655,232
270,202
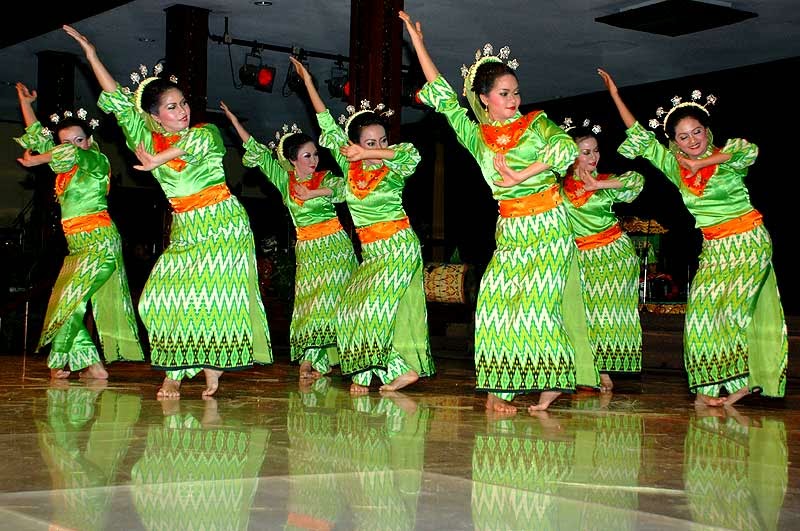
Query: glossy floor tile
268,454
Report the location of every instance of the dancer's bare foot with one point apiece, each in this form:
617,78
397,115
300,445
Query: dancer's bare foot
405,379
58,374
169,389
95,370
212,381
496,404
545,399
401,400
606,384
170,406
308,372
211,418
96,384
710,401
358,389
735,397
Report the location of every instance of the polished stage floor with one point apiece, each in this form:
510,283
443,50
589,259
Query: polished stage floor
268,454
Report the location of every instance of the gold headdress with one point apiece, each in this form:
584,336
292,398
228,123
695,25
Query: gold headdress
654,123
468,73
277,147
141,79
567,126
80,113
380,109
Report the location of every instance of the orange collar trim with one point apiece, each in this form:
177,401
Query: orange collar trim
697,183
63,179
312,184
501,138
576,193
162,142
362,181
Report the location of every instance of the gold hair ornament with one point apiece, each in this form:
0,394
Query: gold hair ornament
380,109
567,126
81,113
486,55
277,147
142,79
696,95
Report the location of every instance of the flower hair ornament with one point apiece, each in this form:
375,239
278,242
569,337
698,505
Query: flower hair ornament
81,113
142,79
380,109
277,145
654,123
567,126
485,55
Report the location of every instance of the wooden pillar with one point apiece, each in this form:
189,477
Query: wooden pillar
376,40
187,54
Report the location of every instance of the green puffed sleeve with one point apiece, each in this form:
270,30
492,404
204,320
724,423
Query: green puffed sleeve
257,155
91,161
743,153
332,138
441,96
121,105
338,186
632,185
559,151
643,143
199,142
405,160
36,139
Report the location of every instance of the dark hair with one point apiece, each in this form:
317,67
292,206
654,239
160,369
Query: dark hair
486,75
72,121
688,111
581,133
361,121
152,92
292,145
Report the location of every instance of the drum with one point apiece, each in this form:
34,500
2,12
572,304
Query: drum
450,283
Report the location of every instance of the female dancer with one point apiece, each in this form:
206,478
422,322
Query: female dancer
735,333
382,322
325,257
93,269
608,262
201,303
521,339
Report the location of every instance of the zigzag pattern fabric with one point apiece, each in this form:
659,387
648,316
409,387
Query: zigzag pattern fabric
610,278
388,283
521,344
323,267
201,303
731,276
112,307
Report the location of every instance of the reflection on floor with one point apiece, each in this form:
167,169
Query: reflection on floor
267,453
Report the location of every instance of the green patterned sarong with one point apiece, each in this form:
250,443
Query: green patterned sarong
201,304
93,270
610,278
323,267
382,315
735,329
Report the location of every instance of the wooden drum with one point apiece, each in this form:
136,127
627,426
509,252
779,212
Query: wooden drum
450,283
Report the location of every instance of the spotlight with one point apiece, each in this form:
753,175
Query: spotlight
339,84
294,83
254,74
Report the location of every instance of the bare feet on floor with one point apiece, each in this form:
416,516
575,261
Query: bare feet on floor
307,371
706,400
96,370
169,389
545,399
212,381
58,374
496,404
735,397
357,389
405,379
606,384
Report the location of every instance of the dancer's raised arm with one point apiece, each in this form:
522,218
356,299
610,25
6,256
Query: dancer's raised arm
106,80
415,32
26,99
313,94
244,134
624,113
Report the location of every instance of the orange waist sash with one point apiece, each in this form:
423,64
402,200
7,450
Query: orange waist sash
381,230
530,205
86,223
600,239
205,197
319,230
738,225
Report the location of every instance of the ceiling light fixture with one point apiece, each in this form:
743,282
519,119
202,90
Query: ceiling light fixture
262,3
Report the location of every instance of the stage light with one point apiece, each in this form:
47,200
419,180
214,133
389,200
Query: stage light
339,83
265,79
254,74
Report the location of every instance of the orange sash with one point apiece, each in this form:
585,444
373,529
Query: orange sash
86,223
304,521
382,230
530,205
205,197
600,239
733,226
318,230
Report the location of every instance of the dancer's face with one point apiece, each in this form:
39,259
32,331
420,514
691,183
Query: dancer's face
691,137
173,111
503,100
74,135
588,154
373,137
307,160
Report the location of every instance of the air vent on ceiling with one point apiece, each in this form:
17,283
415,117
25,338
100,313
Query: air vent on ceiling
676,17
